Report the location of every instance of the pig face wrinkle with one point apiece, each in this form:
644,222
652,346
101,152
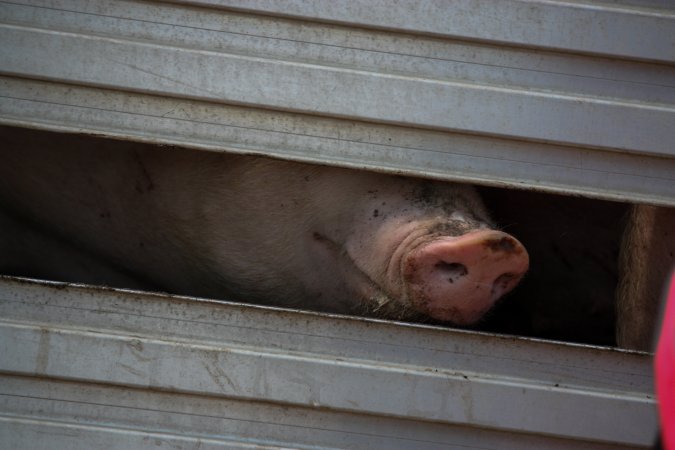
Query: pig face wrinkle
375,301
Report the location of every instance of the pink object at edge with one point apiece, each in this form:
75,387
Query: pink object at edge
664,367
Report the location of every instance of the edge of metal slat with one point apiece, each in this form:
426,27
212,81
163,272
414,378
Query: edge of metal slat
310,360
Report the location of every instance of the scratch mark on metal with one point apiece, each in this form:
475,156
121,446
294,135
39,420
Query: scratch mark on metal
131,370
164,77
217,373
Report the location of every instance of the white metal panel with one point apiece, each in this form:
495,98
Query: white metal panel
341,142
572,97
507,114
336,91
576,25
367,50
97,364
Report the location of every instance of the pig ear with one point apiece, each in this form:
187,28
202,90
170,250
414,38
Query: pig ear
458,279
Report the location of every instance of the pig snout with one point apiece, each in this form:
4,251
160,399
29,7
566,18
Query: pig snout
458,279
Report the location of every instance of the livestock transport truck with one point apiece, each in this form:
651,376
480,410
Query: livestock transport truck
562,106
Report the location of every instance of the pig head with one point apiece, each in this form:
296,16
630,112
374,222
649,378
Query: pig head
260,230
420,249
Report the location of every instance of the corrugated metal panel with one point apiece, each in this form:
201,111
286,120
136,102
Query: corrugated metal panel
569,97
572,26
573,97
91,368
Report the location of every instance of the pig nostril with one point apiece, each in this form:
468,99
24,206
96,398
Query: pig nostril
502,282
452,270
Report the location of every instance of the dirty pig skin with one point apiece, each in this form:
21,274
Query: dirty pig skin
248,228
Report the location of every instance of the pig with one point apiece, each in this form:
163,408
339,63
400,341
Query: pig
646,261
250,228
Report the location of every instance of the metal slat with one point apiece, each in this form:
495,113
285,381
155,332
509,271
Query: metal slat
341,142
338,92
578,26
509,115
508,93
52,414
366,50
511,388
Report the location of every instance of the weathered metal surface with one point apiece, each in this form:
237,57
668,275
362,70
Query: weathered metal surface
98,364
337,91
572,97
593,117
573,26
616,176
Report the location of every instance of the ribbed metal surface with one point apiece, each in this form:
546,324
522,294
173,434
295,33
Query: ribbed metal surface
84,366
566,97
573,97
572,26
